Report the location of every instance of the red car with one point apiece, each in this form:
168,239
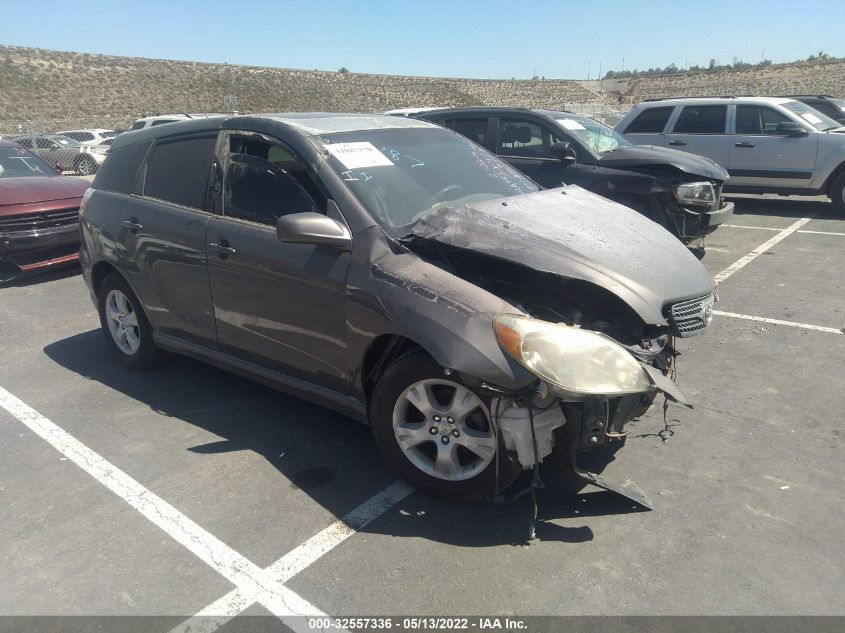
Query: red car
39,214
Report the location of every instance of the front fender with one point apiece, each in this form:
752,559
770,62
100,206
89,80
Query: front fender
398,293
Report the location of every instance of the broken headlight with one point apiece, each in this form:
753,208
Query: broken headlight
574,361
696,193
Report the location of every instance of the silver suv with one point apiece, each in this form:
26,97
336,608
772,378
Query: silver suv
767,144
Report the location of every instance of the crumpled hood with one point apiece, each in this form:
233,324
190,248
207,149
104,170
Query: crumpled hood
31,189
636,156
576,234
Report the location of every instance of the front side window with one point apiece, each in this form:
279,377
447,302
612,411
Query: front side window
137,125
177,170
708,119
265,180
758,120
403,174
650,121
518,137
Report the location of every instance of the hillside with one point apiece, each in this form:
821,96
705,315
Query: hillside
779,79
54,89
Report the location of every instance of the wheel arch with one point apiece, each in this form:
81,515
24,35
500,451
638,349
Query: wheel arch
834,176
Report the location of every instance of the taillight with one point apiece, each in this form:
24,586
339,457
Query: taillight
85,197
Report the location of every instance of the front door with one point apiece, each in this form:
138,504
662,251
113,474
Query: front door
761,157
526,145
279,305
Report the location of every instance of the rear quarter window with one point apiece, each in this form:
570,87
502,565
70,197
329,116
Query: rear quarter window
118,171
650,121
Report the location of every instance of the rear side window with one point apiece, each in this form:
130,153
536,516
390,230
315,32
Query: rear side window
137,125
118,171
473,129
650,121
163,121
177,171
709,119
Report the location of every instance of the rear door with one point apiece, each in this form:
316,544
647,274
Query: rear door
702,130
761,157
277,304
648,127
162,236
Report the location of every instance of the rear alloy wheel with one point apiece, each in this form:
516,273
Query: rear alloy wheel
124,324
86,166
837,194
436,433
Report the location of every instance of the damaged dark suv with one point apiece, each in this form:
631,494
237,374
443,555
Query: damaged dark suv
681,192
398,273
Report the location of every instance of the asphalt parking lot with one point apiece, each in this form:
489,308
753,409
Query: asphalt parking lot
184,490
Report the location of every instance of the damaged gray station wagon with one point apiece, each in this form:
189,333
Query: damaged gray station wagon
396,272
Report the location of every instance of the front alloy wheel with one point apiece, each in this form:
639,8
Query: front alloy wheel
436,433
444,429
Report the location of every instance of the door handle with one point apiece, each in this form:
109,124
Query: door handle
744,144
132,225
677,142
223,250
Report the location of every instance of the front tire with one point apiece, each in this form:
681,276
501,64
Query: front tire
837,194
435,432
124,323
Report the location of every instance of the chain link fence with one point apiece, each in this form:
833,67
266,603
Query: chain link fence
79,152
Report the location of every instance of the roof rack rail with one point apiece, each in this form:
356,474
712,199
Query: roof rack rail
695,97
807,95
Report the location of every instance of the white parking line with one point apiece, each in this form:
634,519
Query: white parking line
744,261
806,326
252,583
769,228
220,611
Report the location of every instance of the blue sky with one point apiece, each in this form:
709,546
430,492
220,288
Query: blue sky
471,38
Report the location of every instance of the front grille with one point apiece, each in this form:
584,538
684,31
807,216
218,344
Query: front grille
689,318
35,222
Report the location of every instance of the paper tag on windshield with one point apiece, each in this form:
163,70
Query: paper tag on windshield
812,118
358,155
571,124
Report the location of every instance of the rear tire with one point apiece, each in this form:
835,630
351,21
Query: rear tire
837,194
435,432
86,166
124,323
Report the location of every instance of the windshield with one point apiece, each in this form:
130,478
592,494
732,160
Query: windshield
16,162
596,137
401,175
818,120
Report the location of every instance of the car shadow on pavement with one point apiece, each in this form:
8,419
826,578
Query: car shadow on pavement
785,207
328,456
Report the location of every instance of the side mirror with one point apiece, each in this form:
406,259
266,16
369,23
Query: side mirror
563,151
312,228
59,169
791,128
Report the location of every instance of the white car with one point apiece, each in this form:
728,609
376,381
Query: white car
89,137
767,144
161,119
